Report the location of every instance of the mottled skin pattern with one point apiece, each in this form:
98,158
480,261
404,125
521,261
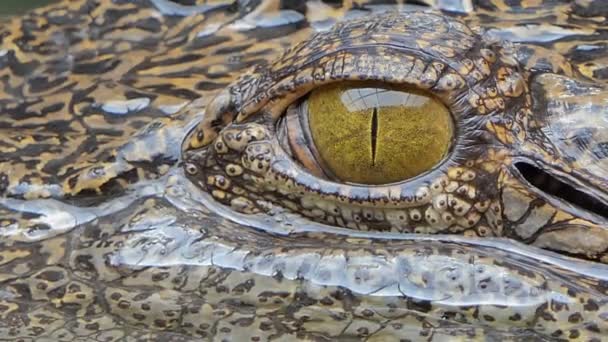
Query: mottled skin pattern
108,232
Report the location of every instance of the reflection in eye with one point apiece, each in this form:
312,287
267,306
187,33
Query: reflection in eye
371,134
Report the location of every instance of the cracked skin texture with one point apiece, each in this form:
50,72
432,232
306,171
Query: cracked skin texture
109,231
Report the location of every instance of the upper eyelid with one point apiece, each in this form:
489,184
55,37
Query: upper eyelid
347,56
268,87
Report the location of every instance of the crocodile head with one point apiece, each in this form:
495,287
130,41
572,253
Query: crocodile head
527,155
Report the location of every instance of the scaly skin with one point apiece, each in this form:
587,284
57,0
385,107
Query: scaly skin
109,232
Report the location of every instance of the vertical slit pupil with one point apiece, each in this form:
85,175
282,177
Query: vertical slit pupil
374,134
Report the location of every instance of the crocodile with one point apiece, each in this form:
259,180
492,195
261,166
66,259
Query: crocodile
192,170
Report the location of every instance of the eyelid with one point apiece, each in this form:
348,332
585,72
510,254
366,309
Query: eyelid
399,68
297,142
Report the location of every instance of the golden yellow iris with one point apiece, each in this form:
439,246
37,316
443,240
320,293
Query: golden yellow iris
378,135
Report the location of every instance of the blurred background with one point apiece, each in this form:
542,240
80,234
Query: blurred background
13,7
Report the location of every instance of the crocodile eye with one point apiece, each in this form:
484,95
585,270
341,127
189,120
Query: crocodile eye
369,133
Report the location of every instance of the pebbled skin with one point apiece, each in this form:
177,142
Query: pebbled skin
108,232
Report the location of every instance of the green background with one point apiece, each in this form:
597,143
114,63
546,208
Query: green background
12,7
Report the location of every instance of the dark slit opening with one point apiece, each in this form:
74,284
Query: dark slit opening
374,134
553,186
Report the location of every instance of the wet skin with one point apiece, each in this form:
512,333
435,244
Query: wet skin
153,185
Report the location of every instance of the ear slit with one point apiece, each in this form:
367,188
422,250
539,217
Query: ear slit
553,186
